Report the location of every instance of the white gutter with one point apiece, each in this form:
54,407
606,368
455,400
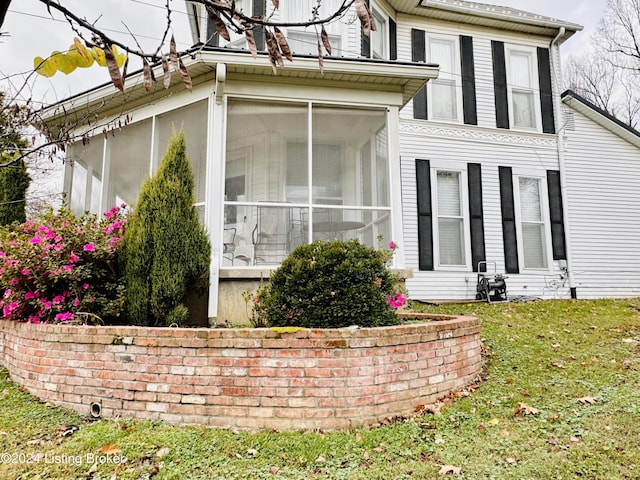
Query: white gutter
561,160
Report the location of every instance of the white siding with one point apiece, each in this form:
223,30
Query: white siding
603,193
483,62
492,148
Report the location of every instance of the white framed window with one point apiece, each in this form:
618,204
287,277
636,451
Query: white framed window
532,223
380,37
451,214
304,41
445,92
524,97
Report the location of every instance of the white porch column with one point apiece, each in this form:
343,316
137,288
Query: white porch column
395,185
214,197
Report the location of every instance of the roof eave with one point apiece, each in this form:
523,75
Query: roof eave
490,17
606,120
408,77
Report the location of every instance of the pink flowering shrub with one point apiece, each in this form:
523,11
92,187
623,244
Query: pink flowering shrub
59,268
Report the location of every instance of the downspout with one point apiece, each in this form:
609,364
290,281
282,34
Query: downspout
555,62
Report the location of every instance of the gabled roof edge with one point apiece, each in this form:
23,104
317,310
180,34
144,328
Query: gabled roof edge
602,117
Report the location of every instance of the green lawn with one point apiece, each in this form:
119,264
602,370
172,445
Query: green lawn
561,400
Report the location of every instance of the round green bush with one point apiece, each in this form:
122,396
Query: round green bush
329,285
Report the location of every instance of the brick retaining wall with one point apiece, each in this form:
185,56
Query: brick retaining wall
245,378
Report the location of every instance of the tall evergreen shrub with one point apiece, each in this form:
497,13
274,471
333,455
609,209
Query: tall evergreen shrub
165,249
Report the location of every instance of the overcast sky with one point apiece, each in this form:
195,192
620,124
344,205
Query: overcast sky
32,32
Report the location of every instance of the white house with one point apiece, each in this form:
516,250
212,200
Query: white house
602,164
443,132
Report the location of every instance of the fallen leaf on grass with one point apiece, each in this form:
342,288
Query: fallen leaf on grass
162,452
557,365
92,470
587,400
252,452
494,421
524,409
273,470
439,441
481,427
109,449
320,459
446,469
574,439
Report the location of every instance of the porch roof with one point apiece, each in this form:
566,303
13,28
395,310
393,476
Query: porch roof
405,78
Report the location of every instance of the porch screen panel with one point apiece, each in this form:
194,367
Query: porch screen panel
192,120
284,188
86,162
129,162
350,163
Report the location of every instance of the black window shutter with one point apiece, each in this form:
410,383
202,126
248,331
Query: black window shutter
546,90
393,40
556,214
500,84
468,80
474,178
365,42
259,9
419,54
508,220
425,220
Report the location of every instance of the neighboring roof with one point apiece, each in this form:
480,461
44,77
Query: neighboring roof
601,117
402,77
496,16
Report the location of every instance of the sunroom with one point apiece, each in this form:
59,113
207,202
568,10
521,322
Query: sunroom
279,160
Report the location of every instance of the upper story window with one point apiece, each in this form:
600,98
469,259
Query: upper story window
444,91
379,37
522,75
523,87
304,41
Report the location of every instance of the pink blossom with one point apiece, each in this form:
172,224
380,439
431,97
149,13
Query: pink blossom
67,268
57,238
14,281
58,299
392,245
5,392
57,247
73,258
34,319
397,300
89,247
25,271
7,293
35,240
2,254
63,317
30,295
76,302
85,286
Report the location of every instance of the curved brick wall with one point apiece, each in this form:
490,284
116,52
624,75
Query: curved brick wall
246,378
